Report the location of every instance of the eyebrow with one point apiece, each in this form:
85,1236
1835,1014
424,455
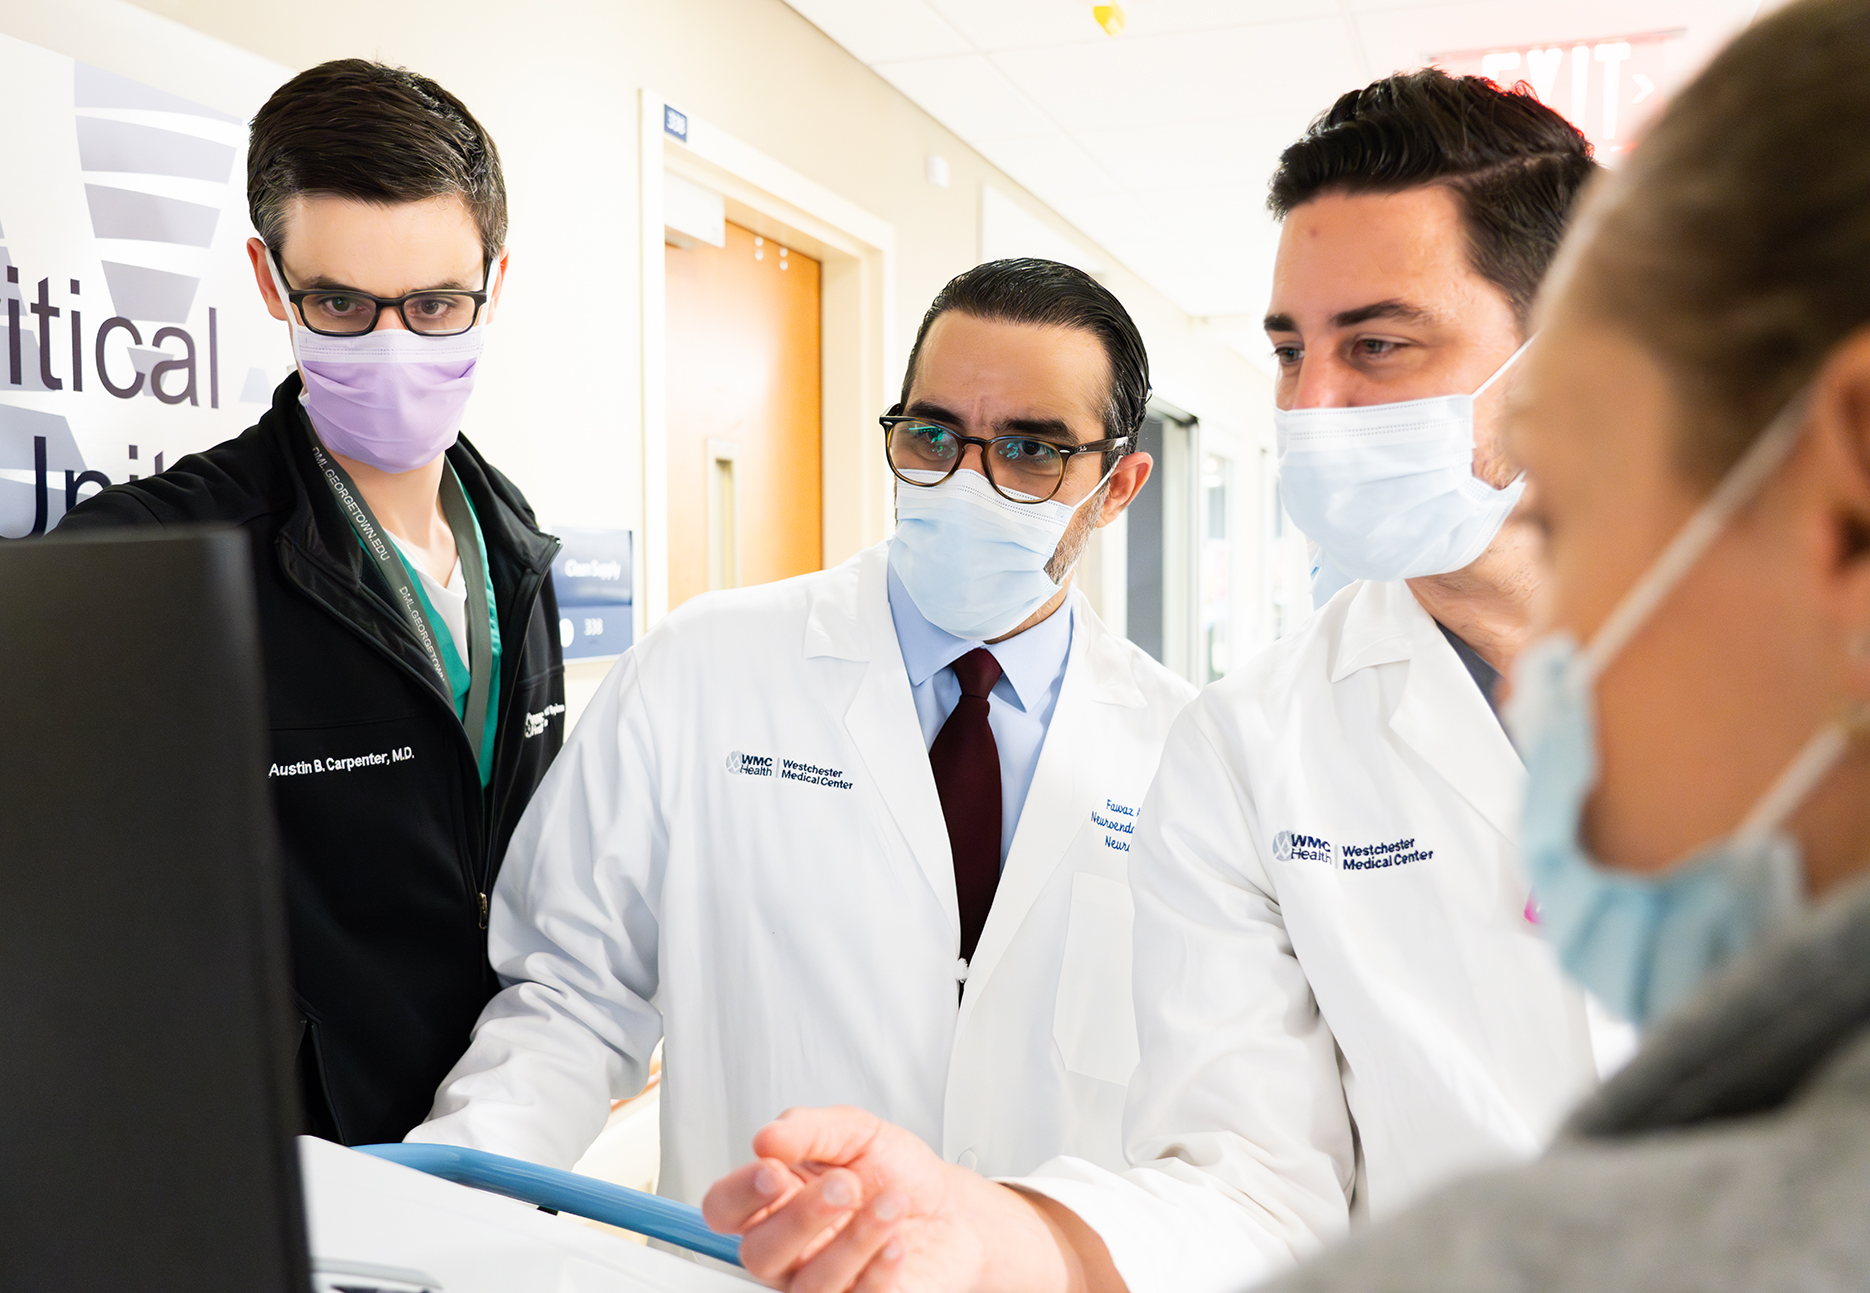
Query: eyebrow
324,283
1400,311
1055,428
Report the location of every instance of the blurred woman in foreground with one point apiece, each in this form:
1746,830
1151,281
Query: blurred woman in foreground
1695,421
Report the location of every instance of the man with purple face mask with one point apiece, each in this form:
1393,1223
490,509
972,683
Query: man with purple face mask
415,687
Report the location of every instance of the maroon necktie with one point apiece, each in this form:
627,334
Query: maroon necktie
966,763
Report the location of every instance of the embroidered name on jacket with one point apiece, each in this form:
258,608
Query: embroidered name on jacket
1369,857
536,723
342,763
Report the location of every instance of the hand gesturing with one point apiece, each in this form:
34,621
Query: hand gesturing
839,1199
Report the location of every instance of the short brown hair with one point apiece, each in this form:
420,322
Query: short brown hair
1515,166
1734,245
357,129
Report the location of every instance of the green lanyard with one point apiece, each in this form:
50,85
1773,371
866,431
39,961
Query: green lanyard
408,594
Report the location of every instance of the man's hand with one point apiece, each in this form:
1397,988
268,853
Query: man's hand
839,1199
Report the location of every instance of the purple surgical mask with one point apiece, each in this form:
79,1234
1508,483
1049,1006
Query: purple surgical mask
390,398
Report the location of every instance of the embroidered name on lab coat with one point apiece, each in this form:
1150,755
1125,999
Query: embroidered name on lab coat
1119,823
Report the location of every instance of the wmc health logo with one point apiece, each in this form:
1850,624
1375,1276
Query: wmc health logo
750,765
1288,847
809,774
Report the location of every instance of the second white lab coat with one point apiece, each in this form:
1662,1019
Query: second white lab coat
1341,999
741,853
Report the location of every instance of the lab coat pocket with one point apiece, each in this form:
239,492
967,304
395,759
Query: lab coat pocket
1094,1021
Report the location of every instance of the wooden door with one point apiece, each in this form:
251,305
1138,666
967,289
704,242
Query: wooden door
744,424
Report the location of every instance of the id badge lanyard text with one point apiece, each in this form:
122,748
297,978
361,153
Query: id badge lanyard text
396,573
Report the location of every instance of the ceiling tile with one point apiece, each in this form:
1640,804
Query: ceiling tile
969,96
1224,244
881,30
1674,12
1242,72
1211,212
1197,153
1157,144
1158,17
1111,218
995,25
1050,166
1008,228
1199,279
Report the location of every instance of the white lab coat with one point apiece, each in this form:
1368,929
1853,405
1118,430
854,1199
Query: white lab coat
1341,1000
794,942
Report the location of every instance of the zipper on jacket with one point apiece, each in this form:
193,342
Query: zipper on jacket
495,802
476,884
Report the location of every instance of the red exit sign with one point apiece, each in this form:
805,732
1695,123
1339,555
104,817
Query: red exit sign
1608,87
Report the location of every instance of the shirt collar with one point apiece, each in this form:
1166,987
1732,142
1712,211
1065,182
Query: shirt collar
1030,662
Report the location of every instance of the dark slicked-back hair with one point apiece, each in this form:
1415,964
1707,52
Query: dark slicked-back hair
1045,293
1515,165
356,129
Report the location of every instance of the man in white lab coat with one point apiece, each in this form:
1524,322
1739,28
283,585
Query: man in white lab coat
862,836
1343,997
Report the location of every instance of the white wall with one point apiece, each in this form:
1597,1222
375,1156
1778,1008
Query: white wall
558,87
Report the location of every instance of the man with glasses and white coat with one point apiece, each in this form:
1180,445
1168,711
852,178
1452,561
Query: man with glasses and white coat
862,836
1343,997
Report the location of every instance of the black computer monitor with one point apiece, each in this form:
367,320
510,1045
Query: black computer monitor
146,1111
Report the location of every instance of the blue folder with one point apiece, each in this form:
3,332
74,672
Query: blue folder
582,1196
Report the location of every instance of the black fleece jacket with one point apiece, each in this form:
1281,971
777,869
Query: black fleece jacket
390,843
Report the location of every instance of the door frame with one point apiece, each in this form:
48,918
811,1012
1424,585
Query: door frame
856,251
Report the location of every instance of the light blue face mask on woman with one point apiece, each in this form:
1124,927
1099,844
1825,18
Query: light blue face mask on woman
1641,942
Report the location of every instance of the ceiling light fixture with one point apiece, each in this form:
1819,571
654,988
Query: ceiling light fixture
1109,17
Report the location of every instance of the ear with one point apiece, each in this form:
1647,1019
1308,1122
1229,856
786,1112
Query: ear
501,262
1131,475
1840,431
269,291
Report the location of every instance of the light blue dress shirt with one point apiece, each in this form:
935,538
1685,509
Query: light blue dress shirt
1032,669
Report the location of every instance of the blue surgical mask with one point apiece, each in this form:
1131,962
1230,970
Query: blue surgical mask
1641,942
1388,491
972,561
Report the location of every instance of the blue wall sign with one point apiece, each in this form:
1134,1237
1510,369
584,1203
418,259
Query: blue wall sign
592,580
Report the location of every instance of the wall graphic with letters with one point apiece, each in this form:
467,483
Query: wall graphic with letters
131,332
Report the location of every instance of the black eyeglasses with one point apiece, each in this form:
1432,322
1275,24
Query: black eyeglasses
1021,468
333,312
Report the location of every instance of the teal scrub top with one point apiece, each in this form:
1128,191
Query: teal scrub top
458,678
